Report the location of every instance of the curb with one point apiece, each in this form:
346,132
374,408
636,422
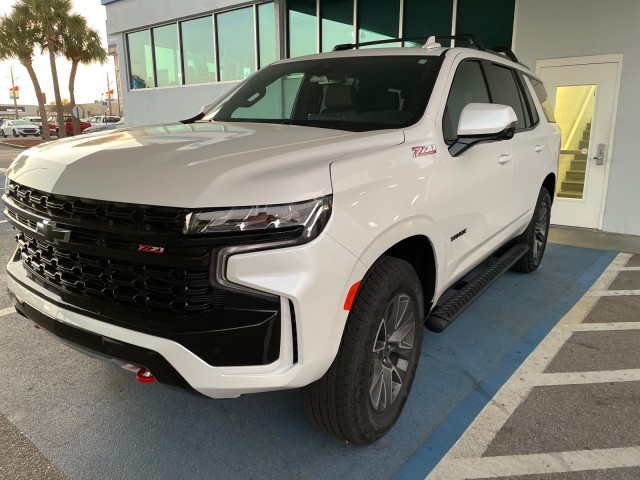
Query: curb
14,146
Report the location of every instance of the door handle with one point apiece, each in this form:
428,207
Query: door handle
538,148
506,158
601,153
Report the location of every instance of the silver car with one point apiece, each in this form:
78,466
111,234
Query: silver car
19,128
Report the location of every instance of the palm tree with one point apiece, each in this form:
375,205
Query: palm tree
48,18
81,44
17,41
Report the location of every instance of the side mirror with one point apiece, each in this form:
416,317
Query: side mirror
483,122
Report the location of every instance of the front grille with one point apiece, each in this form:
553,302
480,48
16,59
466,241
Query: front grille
160,288
142,218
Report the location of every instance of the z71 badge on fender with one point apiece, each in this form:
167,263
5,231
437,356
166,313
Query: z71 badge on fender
423,150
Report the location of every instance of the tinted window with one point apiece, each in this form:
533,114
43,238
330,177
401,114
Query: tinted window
528,100
378,20
468,87
140,60
198,51
542,95
505,91
337,23
303,30
167,50
358,94
236,44
267,33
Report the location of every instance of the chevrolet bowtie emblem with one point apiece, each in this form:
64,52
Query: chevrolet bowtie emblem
52,233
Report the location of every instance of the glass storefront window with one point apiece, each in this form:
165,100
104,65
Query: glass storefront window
337,23
167,50
140,60
267,33
236,44
303,27
378,20
198,51
423,19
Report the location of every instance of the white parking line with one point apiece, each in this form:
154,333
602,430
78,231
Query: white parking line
575,461
599,327
7,311
465,460
613,293
3,221
580,378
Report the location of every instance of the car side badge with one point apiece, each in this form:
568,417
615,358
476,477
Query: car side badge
422,150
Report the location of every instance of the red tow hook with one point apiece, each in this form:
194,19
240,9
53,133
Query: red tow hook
145,376
36,326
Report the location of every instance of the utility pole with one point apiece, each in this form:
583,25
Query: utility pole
13,89
109,93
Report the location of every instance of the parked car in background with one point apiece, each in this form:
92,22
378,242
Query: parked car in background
68,125
105,126
19,128
103,119
35,120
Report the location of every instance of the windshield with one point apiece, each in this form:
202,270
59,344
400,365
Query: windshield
21,122
355,93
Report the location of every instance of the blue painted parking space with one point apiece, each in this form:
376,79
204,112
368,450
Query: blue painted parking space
95,421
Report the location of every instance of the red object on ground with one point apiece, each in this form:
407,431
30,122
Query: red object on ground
145,376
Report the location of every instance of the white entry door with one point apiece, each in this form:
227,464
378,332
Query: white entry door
584,95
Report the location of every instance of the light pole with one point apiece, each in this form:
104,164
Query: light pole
111,83
13,89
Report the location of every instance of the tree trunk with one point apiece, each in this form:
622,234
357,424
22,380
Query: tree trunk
62,131
43,112
72,97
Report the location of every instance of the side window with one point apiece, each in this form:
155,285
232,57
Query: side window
505,91
541,93
535,118
468,87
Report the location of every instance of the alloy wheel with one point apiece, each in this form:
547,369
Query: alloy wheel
540,232
392,350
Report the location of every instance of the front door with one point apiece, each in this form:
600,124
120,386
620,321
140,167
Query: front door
583,92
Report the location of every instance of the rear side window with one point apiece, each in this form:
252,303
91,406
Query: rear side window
535,118
542,95
505,91
468,87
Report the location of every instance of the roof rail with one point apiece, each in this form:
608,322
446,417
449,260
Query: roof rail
473,41
505,51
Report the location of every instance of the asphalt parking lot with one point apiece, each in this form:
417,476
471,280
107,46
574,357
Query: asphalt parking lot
539,379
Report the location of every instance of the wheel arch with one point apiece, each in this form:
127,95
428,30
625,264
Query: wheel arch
419,252
550,184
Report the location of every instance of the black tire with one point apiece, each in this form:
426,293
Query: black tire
536,234
15,134
4,135
350,400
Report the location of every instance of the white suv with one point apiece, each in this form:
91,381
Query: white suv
295,234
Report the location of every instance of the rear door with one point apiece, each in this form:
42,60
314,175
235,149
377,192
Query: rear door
529,143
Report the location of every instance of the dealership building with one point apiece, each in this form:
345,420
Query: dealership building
176,56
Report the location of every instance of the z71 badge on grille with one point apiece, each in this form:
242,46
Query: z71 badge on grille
51,233
150,249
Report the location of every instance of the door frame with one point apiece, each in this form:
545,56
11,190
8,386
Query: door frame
590,60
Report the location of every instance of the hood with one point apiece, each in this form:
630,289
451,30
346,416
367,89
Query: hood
196,166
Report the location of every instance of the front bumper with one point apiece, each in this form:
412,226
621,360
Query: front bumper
311,282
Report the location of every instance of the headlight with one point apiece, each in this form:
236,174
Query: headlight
312,215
